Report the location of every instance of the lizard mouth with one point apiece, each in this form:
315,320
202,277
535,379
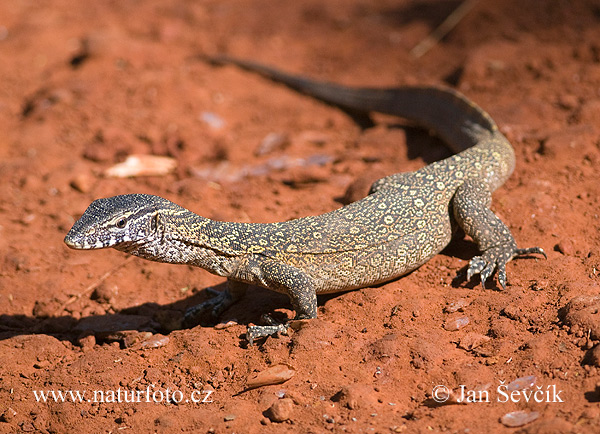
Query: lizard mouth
76,244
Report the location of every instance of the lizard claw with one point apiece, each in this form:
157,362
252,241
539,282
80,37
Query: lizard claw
530,250
497,258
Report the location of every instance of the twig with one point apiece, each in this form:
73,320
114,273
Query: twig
97,283
442,30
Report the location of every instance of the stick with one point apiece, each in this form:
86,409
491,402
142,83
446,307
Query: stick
443,29
97,283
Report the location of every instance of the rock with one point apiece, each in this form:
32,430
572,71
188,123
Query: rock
276,374
281,410
583,311
593,356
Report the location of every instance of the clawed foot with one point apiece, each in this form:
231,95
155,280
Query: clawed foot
496,258
214,306
273,327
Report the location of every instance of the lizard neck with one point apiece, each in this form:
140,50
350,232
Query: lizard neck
183,237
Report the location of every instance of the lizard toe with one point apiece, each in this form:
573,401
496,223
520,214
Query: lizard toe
475,266
531,250
496,258
487,272
502,275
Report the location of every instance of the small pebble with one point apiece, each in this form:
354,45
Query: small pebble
129,338
226,325
272,142
566,247
86,342
8,415
518,418
281,410
229,417
456,324
472,340
104,293
213,120
539,285
314,137
41,364
522,383
568,101
155,341
458,305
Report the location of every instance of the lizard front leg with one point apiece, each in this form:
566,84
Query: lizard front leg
217,304
471,210
296,284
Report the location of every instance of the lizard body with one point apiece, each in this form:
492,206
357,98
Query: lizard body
405,220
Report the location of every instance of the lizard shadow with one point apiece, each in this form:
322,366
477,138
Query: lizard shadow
125,325
421,144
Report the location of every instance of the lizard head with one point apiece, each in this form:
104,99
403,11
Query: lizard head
117,221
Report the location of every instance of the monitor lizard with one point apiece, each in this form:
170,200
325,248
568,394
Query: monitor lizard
406,219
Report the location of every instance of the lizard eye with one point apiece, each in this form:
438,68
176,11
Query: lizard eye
121,223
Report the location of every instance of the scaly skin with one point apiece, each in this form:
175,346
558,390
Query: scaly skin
406,219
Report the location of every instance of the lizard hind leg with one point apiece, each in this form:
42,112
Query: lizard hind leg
471,211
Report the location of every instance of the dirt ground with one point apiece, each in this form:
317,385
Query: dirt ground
85,84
